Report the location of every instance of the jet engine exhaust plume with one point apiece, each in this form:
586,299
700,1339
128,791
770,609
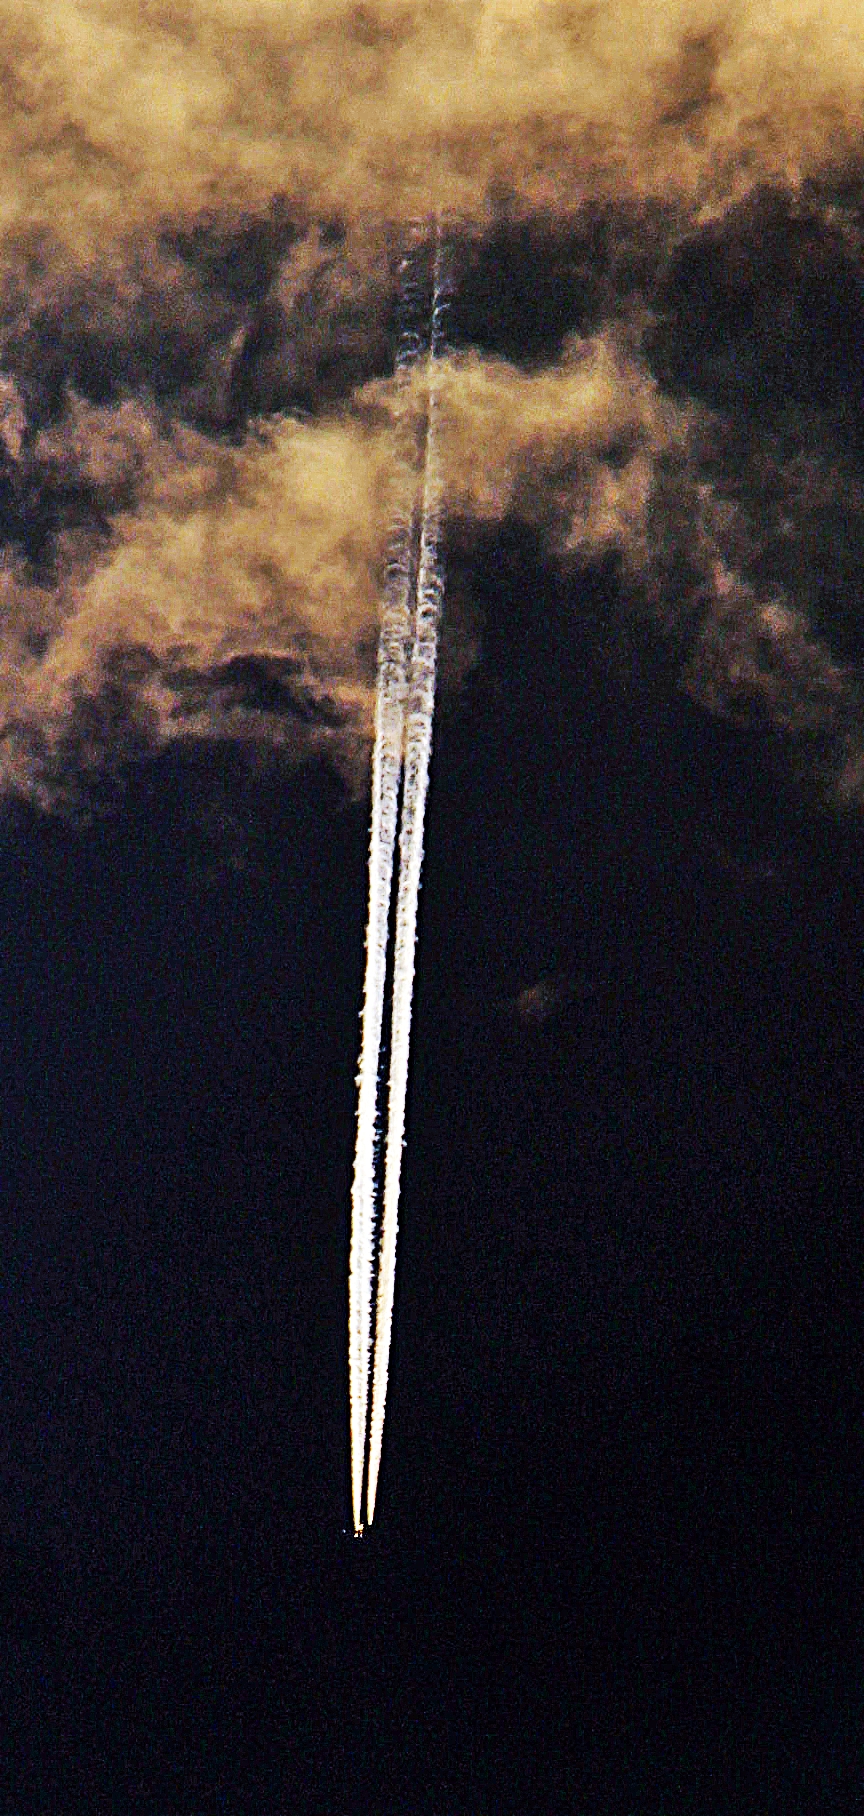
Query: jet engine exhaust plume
386,768
418,749
398,630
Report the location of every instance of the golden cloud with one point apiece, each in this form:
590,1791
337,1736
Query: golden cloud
118,116
259,535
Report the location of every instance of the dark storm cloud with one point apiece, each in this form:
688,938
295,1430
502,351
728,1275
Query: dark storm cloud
657,252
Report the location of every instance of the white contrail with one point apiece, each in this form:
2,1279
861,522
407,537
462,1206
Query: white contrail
396,630
386,767
418,747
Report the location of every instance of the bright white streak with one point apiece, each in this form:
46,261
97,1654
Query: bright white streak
418,749
386,772
386,767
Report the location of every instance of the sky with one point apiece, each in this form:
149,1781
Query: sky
613,1565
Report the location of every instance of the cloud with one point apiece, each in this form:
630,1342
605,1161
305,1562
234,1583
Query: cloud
118,116
201,217
271,552
237,571
233,590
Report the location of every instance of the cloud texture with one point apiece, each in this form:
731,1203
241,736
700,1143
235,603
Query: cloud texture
124,115
656,219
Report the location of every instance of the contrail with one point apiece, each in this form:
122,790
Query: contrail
392,682
386,768
418,747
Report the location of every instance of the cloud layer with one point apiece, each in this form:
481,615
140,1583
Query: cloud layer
119,116
656,220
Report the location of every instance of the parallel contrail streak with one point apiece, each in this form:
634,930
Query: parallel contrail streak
418,747
386,767
386,772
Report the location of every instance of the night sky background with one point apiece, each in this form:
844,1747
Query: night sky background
616,1563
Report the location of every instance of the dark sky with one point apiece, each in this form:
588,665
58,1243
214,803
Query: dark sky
616,1562
615,1568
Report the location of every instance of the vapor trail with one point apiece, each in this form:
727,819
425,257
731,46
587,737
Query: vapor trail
386,772
418,748
386,767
